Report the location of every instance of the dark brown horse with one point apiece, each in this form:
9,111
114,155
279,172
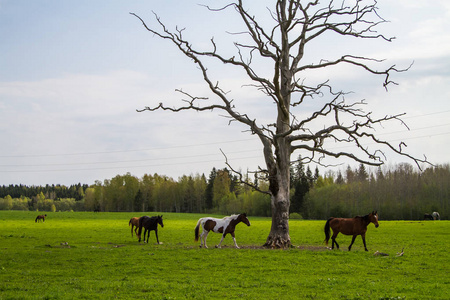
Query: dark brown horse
134,223
39,218
150,224
353,226
427,217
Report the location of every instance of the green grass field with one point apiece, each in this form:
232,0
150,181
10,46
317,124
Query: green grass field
93,256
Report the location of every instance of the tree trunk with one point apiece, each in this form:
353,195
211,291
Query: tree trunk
279,186
280,200
279,231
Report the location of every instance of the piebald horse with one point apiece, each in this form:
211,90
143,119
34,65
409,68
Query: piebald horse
224,226
134,223
436,215
353,226
39,218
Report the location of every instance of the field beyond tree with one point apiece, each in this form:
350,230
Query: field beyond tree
87,255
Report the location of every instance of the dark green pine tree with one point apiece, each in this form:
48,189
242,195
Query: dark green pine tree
209,192
301,185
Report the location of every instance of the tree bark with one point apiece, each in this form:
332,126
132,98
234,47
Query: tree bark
279,232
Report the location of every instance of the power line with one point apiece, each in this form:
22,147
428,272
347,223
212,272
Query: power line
169,158
429,114
122,151
125,167
191,145
126,161
203,156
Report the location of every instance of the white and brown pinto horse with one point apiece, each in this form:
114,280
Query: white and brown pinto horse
224,226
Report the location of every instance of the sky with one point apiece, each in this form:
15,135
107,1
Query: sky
73,74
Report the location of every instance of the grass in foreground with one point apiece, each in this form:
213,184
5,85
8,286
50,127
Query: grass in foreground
93,256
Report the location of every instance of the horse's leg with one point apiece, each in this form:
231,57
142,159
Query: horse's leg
333,239
223,236
234,239
363,236
201,239
156,233
148,234
353,240
204,235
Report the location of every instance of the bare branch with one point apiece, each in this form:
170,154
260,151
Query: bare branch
241,177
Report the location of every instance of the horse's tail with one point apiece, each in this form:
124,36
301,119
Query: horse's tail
35,220
197,229
327,230
129,224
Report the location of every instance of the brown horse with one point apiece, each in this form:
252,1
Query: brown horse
39,218
354,226
134,222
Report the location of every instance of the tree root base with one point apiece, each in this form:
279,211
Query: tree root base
277,243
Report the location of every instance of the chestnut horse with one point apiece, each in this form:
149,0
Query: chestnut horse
39,218
353,226
134,223
224,226
150,224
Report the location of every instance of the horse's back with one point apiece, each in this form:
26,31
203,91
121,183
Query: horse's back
214,224
149,223
347,226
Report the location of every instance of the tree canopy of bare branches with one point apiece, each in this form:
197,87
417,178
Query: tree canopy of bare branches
283,44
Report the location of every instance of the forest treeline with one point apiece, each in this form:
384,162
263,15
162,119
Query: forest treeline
399,193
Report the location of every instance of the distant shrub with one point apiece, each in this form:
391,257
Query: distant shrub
295,216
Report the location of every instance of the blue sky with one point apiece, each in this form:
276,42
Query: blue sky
73,73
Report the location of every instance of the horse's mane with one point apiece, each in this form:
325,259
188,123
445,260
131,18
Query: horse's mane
365,218
229,217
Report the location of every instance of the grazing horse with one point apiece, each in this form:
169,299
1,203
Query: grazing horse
134,222
39,218
150,224
352,226
436,215
224,226
427,217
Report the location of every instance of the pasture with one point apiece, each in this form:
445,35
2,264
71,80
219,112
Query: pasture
93,256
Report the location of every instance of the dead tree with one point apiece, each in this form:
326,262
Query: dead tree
282,44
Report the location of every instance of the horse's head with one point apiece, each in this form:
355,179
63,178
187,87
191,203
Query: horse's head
373,217
160,221
243,218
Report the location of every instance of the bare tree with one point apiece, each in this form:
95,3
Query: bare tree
283,44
